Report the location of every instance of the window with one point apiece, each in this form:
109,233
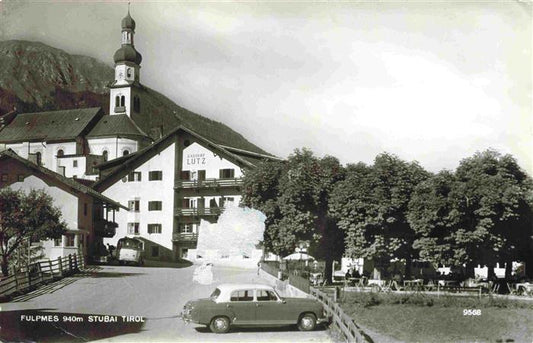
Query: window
201,175
227,173
246,295
155,205
185,203
133,205
20,177
133,228
75,163
128,72
38,158
60,153
155,175
154,228
5,177
155,251
186,228
105,155
69,240
122,101
57,242
185,175
134,176
117,101
265,295
125,152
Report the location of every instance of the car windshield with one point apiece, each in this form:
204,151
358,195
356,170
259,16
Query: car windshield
215,294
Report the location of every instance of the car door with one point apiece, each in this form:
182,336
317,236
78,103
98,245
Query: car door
271,310
242,307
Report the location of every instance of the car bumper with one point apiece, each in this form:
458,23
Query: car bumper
324,320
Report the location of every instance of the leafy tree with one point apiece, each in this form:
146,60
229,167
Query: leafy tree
481,214
294,196
371,205
26,217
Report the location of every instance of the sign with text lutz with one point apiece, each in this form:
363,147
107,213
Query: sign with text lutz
196,159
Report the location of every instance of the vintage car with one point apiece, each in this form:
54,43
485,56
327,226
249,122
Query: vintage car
252,305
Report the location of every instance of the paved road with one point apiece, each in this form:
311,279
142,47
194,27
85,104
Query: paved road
155,294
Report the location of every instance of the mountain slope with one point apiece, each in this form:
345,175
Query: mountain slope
35,77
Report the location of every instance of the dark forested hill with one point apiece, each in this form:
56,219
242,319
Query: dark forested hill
35,77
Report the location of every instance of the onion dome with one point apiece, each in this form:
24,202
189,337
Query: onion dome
127,53
128,22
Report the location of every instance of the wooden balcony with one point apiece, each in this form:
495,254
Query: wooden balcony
209,183
184,237
104,228
208,211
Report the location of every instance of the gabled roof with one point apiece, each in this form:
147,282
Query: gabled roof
49,126
60,178
132,161
116,125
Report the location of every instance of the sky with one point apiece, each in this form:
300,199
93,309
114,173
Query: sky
430,81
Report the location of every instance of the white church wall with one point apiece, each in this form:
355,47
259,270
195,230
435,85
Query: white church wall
115,147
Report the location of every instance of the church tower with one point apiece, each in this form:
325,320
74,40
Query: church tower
125,89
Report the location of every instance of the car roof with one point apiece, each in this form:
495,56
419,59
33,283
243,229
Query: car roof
228,287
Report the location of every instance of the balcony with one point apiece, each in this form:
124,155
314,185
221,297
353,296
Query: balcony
104,228
184,237
209,183
209,211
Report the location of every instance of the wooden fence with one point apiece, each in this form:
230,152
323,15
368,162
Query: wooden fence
39,273
340,319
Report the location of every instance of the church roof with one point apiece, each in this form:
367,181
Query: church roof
72,184
116,125
127,53
50,126
128,22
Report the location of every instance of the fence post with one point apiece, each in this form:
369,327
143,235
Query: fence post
75,263
60,260
40,273
28,275
69,263
51,270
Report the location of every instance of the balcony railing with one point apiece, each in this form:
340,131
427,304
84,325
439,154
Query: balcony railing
104,228
209,183
184,237
208,211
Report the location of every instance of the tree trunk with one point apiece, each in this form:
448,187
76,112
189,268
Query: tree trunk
408,271
508,269
491,275
328,270
469,272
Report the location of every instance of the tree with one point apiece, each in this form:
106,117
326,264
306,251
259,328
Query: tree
481,214
294,196
371,205
26,217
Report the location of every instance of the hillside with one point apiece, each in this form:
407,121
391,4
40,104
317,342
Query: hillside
35,77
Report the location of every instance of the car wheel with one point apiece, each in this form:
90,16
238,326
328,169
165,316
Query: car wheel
307,322
219,325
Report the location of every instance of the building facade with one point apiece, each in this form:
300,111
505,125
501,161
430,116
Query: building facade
87,213
170,187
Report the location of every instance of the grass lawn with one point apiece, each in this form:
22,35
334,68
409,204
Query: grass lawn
428,319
